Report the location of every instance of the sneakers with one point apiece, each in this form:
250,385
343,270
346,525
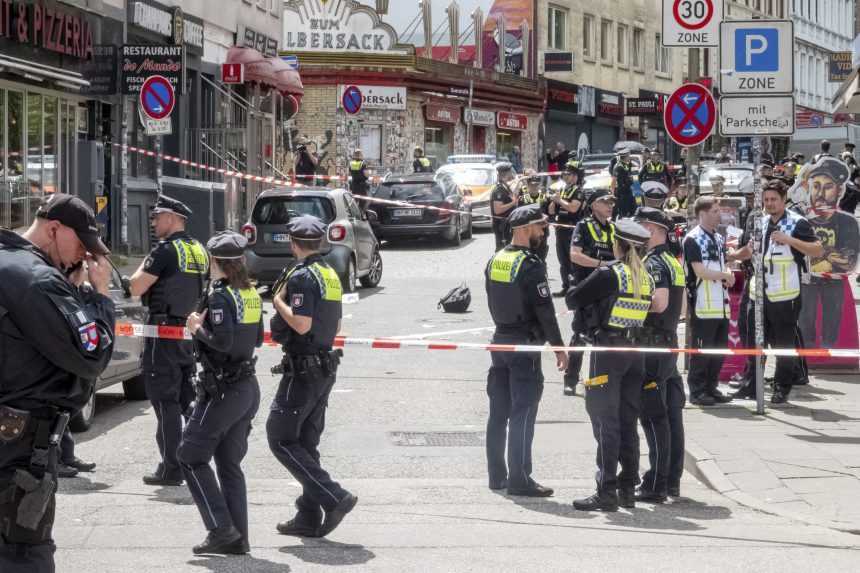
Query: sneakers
598,501
223,540
569,390
336,515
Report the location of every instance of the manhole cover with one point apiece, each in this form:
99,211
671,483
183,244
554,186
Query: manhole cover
438,439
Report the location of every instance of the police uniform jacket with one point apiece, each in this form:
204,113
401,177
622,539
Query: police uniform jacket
313,289
667,273
570,193
655,172
422,165
596,241
519,297
503,194
55,339
606,303
233,327
181,265
623,176
358,173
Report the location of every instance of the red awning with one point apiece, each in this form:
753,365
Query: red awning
288,80
258,68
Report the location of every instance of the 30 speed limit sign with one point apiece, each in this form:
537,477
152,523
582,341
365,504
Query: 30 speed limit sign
692,23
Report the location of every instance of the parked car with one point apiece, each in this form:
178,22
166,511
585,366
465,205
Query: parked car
124,366
732,173
472,158
476,180
422,189
350,246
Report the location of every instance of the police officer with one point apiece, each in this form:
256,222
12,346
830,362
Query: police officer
623,174
592,247
788,239
663,391
502,201
56,338
567,207
170,281
308,317
227,327
533,194
655,170
615,301
359,177
847,155
522,310
420,164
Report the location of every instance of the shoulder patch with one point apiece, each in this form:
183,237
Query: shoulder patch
543,290
89,334
297,300
217,316
148,262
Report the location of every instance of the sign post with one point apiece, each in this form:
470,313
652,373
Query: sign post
690,114
691,23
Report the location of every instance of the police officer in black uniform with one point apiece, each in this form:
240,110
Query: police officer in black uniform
615,302
502,201
308,305
421,164
56,338
590,248
623,174
663,390
655,170
567,208
533,194
359,177
227,327
522,310
170,281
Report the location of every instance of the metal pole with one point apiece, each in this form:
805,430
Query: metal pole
123,175
159,164
758,267
469,118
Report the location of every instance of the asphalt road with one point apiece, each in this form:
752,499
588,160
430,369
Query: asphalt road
405,434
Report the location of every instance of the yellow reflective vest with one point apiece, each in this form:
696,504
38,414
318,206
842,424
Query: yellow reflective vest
629,311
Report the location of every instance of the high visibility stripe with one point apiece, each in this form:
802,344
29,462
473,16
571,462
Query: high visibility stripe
506,265
329,282
192,257
249,307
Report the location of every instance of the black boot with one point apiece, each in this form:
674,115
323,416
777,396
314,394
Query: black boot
649,496
336,515
304,524
627,497
599,501
225,540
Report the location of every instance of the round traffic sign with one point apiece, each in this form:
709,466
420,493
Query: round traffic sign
693,14
690,115
351,99
157,97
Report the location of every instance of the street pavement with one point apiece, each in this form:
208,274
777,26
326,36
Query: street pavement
405,434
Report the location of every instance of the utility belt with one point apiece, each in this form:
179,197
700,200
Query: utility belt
28,496
325,360
160,319
601,337
214,382
532,331
658,338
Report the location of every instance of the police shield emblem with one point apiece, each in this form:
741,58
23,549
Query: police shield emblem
543,290
217,316
297,300
89,334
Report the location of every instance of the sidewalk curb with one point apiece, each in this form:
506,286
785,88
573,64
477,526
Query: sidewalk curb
703,466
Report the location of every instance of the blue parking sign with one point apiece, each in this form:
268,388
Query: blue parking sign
757,50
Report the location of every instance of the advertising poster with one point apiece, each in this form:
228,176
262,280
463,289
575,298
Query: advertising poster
515,12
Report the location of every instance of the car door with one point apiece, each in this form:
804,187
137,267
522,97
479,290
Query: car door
125,362
365,240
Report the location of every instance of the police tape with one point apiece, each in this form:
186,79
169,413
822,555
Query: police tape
181,333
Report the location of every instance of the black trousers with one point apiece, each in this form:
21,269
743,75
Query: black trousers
662,422
626,206
23,550
219,429
168,366
746,329
830,294
574,360
514,387
781,331
612,397
563,237
704,374
294,428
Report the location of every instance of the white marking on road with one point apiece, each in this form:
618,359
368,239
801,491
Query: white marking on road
426,334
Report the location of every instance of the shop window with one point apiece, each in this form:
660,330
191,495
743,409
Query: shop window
662,56
15,136
557,26
370,142
621,45
638,48
34,143
505,143
606,41
437,144
588,36
50,158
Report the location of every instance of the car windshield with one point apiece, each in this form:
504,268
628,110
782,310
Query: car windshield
472,176
279,210
423,191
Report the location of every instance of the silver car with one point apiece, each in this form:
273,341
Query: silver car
350,246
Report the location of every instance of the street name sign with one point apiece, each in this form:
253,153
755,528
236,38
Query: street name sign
755,116
691,23
690,114
756,57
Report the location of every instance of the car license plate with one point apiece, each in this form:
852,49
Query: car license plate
407,212
280,238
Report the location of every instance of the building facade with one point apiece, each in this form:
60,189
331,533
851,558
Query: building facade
615,55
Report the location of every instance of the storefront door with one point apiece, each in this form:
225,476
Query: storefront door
479,140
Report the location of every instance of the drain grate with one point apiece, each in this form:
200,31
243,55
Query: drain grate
438,439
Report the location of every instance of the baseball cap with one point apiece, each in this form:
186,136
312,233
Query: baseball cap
72,212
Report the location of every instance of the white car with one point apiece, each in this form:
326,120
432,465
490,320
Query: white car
477,181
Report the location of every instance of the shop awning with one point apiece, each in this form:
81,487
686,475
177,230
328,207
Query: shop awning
258,68
288,80
847,98
40,72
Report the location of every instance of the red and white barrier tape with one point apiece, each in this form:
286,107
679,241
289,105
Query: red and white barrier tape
180,333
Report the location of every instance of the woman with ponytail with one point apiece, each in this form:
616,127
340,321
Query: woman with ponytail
615,301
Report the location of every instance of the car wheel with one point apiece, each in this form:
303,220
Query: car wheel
83,420
456,237
468,233
349,279
374,275
134,388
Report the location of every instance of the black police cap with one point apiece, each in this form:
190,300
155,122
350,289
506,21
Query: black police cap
652,215
849,145
227,245
831,167
72,212
526,215
504,167
166,204
654,190
601,195
631,232
306,227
